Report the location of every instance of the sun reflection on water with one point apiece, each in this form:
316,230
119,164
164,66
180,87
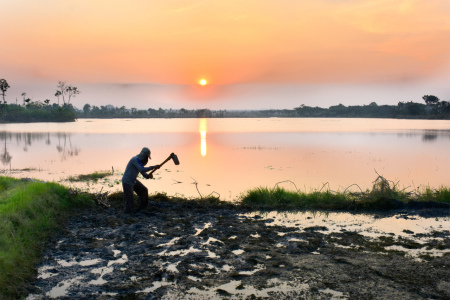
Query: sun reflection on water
202,128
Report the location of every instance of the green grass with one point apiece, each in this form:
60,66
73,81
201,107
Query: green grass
439,195
279,198
30,212
93,176
384,196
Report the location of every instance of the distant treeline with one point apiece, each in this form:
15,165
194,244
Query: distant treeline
432,109
36,112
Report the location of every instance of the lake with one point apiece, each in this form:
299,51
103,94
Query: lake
226,157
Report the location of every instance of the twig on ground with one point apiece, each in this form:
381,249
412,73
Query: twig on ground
405,188
102,198
276,184
213,192
196,186
351,186
201,196
382,178
327,183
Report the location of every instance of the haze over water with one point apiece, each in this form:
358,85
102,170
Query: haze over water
226,157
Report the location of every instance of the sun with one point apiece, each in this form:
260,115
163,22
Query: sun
203,82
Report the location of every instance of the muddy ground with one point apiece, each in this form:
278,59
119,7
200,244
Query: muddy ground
179,251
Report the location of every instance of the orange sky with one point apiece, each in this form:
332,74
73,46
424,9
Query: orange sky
174,42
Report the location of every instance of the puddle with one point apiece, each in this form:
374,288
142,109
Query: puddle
193,278
89,262
258,268
200,230
121,260
236,289
334,294
43,274
212,240
182,252
61,289
172,267
156,285
415,253
227,268
401,227
102,271
170,243
212,254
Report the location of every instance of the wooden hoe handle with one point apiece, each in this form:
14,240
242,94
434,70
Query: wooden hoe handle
167,159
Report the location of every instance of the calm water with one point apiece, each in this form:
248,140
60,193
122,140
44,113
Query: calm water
229,156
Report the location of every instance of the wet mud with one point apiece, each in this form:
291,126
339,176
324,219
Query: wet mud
179,251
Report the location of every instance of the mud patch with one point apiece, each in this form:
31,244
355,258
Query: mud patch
171,251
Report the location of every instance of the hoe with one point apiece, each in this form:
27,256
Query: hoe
171,156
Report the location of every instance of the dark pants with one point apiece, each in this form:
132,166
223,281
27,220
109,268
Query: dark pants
140,190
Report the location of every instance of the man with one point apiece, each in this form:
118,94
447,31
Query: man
131,184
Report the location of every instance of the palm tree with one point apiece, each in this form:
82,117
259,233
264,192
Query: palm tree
23,95
3,87
58,94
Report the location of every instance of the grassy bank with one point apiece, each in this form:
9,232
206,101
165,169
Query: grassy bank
29,213
384,195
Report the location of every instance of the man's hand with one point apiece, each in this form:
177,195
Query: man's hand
149,176
156,167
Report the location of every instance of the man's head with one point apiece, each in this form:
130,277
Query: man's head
144,156
145,151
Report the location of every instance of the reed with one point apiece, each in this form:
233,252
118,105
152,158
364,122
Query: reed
30,212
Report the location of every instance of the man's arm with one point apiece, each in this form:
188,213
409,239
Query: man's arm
137,162
147,176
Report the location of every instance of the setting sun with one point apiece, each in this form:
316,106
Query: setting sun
203,82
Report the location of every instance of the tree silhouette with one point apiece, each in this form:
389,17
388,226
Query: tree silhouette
430,99
71,91
3,87
61,90
23,95
64,89
86,108
58,94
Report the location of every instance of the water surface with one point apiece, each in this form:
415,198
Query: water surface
229,156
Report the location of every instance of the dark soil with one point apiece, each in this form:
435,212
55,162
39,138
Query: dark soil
182,251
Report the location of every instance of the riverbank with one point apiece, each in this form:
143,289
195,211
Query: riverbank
205,247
